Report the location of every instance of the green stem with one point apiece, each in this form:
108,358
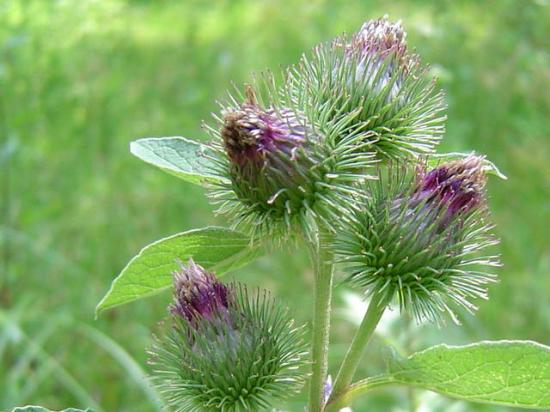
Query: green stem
376,308
322,257
411,393
357,389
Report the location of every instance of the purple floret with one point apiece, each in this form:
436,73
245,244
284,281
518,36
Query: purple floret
455,187
250,132
381,38
198,294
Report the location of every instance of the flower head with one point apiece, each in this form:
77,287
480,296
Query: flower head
250,134
419,237
457,187
374,84
379,38
379,41
278,172
226,349
198,294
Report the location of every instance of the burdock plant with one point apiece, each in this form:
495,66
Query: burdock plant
338,154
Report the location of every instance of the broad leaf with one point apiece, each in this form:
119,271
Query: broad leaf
513,373
41,409
150,272
178,156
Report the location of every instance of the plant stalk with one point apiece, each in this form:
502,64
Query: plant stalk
374,313
356,390
322,256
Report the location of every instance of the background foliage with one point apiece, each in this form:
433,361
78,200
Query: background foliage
80,79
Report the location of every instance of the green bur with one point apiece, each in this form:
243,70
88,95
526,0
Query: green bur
225,348
371,81
421,236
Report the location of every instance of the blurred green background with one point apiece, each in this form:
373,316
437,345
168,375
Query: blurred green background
80,79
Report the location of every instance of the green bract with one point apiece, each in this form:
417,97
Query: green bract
277,170
241,357
373,81
418,236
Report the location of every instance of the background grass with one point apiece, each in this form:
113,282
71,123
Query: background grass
80,79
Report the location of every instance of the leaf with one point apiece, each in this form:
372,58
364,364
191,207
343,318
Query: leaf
150,272
178,156
488,166
512,373
41,409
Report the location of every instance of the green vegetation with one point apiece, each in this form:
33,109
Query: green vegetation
80,80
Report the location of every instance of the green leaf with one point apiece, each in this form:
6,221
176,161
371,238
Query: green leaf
41,409
512,373
178,156
488,166
215,248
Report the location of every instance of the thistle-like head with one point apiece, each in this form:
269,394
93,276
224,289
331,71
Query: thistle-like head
419,236
226,349
278,172
371,83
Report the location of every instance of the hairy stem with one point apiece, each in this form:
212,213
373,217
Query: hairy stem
322,256
376,308
411,393
354,391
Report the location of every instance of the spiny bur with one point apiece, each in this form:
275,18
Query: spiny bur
225,349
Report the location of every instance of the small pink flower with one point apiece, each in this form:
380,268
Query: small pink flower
198,294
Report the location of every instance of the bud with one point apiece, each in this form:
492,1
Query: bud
456,187
198,294
380,50
226,349
379,38
253,137
264,149
419,237
277,171
371,82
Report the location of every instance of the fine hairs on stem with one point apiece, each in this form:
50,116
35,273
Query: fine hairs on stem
322,259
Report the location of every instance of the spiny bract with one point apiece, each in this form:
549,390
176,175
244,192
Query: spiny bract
226,349
372,79
419,235
278,172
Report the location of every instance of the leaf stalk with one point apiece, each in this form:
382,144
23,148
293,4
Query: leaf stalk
371,319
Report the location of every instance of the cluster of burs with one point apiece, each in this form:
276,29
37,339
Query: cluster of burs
340,145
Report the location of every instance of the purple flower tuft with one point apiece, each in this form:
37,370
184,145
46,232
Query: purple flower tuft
381,38
249,133
198,294
455,187
381,54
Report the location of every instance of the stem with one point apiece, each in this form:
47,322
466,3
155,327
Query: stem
411,393
357,389
376,308
322,256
